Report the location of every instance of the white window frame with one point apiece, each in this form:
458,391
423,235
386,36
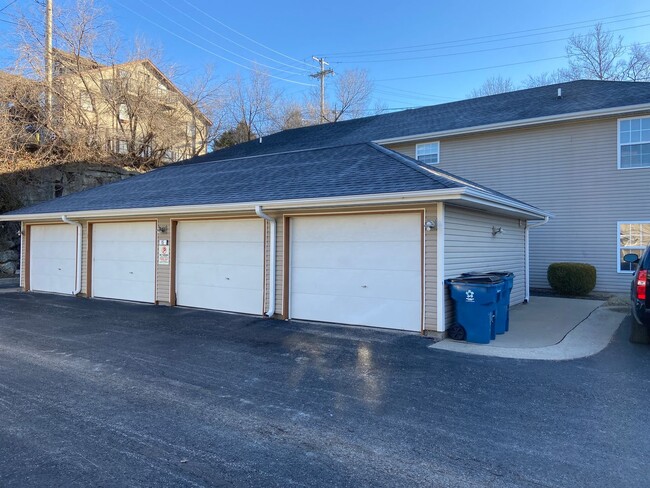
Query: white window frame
619,247
123,112
86,102
122,146
618,142
422,144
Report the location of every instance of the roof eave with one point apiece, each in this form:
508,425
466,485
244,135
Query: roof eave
459,194
587,114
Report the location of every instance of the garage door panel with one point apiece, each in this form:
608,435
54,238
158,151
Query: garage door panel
401,285
370,228
124,261
220,264
357,269
239,253
221,230
235,299
358,311
356,255
235,276
53,258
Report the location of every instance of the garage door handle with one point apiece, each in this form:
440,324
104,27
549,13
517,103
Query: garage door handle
130,272
227,278
364,286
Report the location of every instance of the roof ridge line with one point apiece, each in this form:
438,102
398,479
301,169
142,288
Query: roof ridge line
320,148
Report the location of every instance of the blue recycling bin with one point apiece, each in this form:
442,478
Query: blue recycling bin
502,324
475,299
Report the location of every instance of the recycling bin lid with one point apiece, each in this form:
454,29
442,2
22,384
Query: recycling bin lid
478,279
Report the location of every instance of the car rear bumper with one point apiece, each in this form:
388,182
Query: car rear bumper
641,313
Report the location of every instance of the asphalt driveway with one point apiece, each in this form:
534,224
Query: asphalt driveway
114,394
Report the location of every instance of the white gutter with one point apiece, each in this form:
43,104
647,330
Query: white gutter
272,258
77,287
527,254
377,199
518,123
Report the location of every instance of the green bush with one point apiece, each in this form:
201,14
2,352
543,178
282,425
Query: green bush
572,278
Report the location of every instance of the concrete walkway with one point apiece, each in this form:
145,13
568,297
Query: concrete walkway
550,328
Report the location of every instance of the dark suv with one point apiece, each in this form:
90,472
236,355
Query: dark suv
640,295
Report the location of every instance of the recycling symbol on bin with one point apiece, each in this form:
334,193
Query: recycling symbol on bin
469,296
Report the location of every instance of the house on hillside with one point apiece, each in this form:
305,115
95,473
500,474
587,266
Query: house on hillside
131,108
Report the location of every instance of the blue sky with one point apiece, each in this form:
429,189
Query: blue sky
450,43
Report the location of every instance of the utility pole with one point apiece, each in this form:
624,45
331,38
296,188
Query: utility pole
322,74
48,61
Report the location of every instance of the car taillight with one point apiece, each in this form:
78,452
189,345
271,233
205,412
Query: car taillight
641,281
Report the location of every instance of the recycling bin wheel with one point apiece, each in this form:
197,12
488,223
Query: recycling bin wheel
457,332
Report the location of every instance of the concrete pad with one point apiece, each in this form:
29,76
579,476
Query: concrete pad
544,321
550,329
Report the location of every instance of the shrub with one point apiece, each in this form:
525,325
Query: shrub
572,278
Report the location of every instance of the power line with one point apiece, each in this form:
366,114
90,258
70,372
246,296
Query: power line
478,51
198,46
8,5
491,36
472,70
483,68
232,41
244,35
217,45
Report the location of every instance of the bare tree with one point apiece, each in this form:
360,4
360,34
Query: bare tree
560,75
597,54
638,65
105,109
251,106
352,95
493,86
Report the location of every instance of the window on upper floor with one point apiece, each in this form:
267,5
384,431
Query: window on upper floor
86,102
122,146
428,153
634,143
633,238
123,111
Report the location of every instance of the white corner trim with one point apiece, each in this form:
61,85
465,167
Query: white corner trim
441,325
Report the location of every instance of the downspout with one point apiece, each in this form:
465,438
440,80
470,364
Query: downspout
527,254
272,259
77,288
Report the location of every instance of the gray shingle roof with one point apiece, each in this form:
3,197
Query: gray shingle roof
358,169
577,96
348,170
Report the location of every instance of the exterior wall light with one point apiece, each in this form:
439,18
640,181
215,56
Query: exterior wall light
430,225
162,229
496,230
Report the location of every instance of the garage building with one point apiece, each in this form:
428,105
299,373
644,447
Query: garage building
355,234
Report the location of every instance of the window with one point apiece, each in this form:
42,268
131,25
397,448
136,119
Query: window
123,112
634,143
428,153
86,102
633,239
191,130
122,146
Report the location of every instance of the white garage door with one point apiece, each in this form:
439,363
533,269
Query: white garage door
124,261
220,265
52,258
361,269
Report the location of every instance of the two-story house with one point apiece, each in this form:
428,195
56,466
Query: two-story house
131,108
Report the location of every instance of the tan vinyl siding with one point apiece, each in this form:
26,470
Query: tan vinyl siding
568,169
470,246
163,271
430,271
23,258
84,257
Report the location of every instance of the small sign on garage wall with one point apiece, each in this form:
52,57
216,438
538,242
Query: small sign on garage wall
163,252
